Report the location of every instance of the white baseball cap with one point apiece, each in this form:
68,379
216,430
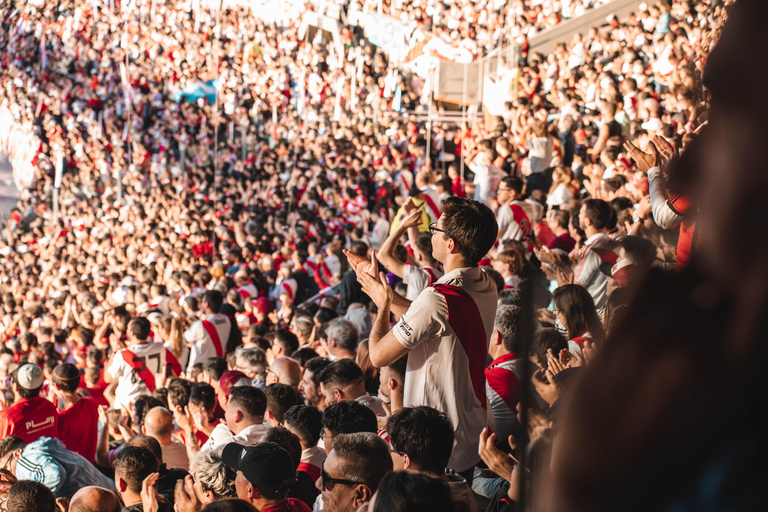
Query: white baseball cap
30,376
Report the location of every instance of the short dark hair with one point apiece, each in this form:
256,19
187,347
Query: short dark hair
472,225
303,355
598,212
545,339
143,404
148,442
203,395
215,300
307,421
316,365
508,324
287,340
423,243
286,440
215,367
402,490
280,398
140,327
365,458
343,372
251,401
134,464
514,183
10,444
30,496
399,367
179,391
425,435
349,417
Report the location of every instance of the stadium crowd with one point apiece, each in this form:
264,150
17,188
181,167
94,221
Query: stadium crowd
297,297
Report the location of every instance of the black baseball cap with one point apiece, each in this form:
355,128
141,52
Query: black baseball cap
267,466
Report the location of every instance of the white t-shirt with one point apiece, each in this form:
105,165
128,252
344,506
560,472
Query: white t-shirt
202,346
222,436
438,373
417,278
130,386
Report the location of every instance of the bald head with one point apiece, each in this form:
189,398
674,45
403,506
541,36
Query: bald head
94,499
287,370
159,423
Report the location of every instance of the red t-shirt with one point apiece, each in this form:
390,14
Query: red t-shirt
97,391
201,437
689,230
30,419
79,427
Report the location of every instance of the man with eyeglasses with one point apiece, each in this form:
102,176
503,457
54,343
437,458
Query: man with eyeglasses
353,470
445,331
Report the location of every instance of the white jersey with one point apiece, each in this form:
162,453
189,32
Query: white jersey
418,278
200,343
222,436
442,372
152,356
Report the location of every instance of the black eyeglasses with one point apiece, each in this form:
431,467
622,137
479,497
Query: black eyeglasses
397,452
434,229
326,479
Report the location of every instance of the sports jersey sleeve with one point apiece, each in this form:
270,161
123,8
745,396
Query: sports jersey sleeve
413,275
175,366
588,268
664,214
117,366
420,322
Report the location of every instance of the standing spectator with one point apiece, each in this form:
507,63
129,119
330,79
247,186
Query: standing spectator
445,331
158,424
79,420
209,336
594,218
514,223
31,416
244,418
139,368
342,336
213,480
307,423
310,383
30,496
132,466
91,498
343,380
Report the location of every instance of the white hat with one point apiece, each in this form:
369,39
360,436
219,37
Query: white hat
30,376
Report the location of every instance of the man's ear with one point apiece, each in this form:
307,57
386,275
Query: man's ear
338,395
406,462
392,384
144,429
496,338
121,484
363,494
253,492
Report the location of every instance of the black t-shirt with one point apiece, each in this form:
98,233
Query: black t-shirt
303,489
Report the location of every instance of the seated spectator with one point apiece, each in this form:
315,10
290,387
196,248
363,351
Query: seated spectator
132,466
49,462
79,420
31,416
158,424
284,370
342,381
284,344
265,473
303,488
93,499
244,419
280,398
422,441
353,470
310,383
307,423
400,491
346,418
213,480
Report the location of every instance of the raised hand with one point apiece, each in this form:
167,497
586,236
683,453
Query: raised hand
413,219
149,493
377,289
547,386
588,351
553,363
645,161
185,498
499,462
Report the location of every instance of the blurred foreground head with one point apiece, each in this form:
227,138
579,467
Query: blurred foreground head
667,416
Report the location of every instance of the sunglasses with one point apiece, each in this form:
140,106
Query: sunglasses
326,479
